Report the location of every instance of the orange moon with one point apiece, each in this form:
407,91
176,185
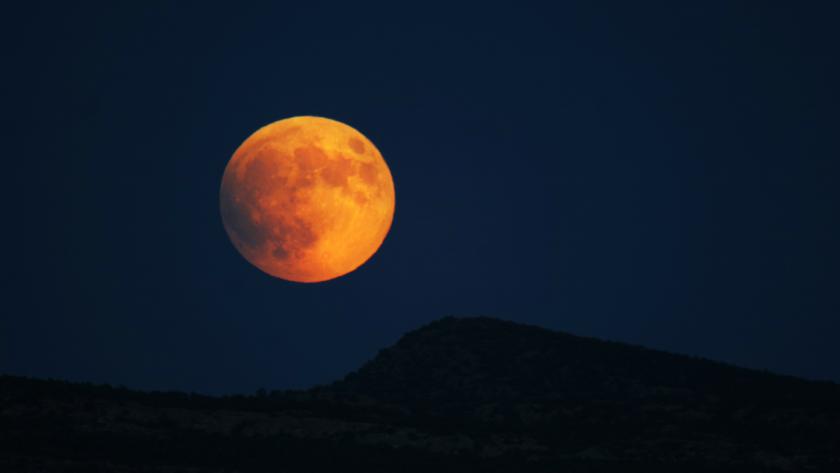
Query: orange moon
307,199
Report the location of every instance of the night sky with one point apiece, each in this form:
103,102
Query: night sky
663,175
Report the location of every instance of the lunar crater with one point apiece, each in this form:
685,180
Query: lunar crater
356,145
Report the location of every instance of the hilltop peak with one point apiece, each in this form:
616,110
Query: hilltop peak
457,359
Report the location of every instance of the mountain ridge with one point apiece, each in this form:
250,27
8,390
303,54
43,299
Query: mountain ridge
514,360
458,394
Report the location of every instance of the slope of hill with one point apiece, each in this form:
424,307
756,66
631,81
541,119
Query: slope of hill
457,395
483,359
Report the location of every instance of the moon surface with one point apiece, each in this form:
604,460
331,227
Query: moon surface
307,199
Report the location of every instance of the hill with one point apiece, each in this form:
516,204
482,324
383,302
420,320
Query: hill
484,360
474,394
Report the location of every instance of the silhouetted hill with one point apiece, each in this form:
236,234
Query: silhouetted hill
484,360
457,395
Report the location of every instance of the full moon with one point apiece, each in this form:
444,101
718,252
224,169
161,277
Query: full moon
307,199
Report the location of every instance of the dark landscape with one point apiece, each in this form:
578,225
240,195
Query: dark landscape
459,394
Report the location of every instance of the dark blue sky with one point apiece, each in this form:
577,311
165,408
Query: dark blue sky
662,175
